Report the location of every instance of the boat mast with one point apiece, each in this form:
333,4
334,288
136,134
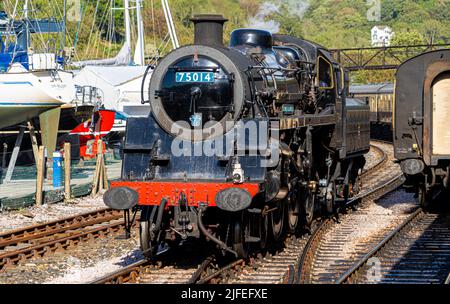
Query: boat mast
27,29
170,24
140,28
65,24
127,23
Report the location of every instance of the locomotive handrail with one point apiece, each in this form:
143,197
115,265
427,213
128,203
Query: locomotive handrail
215,108
143,83
270,68
176,68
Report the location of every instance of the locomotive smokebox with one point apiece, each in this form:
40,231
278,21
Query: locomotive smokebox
208,29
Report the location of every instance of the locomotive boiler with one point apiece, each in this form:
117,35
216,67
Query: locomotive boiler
244,142
421,115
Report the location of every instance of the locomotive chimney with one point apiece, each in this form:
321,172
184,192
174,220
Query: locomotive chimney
208,29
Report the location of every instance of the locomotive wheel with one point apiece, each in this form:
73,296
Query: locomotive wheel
277,220
308,206
148,246
293,212
240,227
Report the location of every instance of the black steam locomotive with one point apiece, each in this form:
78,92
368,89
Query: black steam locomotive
421,123
243,144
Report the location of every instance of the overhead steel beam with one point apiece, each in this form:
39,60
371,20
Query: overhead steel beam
380,58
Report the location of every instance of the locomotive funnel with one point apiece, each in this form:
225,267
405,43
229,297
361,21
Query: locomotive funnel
208,29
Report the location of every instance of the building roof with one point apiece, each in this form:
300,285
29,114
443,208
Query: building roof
372,88
381,27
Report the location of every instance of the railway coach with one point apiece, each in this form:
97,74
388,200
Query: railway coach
421,123
380,98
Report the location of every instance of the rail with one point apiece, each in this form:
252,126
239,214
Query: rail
346,277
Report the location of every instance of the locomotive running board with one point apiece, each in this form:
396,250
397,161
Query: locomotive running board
293,122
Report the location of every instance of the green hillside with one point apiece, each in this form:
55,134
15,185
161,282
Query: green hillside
344,23
332,23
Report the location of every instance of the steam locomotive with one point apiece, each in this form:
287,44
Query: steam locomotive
421,113
244,143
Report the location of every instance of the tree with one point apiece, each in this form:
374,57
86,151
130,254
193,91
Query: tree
409,37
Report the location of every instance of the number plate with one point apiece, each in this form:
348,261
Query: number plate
194,77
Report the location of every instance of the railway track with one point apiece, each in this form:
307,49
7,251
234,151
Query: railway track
335,246
278,268
282,267
417,252
146,272
42,239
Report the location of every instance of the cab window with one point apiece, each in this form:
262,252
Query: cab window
325,72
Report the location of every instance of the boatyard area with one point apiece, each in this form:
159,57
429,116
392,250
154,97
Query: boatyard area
20,191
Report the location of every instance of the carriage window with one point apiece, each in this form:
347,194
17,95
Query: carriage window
325,72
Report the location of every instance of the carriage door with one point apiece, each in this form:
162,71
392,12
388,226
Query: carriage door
441,114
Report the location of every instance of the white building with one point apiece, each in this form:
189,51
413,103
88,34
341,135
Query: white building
381,36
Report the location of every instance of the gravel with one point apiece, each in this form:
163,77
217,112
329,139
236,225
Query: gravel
77,274
377,218
82,264
372,158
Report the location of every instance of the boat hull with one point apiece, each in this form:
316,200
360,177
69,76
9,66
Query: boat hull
25,95
93,130
11,114
71,116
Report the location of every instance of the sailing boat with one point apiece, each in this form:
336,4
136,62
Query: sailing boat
35,89
31,83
